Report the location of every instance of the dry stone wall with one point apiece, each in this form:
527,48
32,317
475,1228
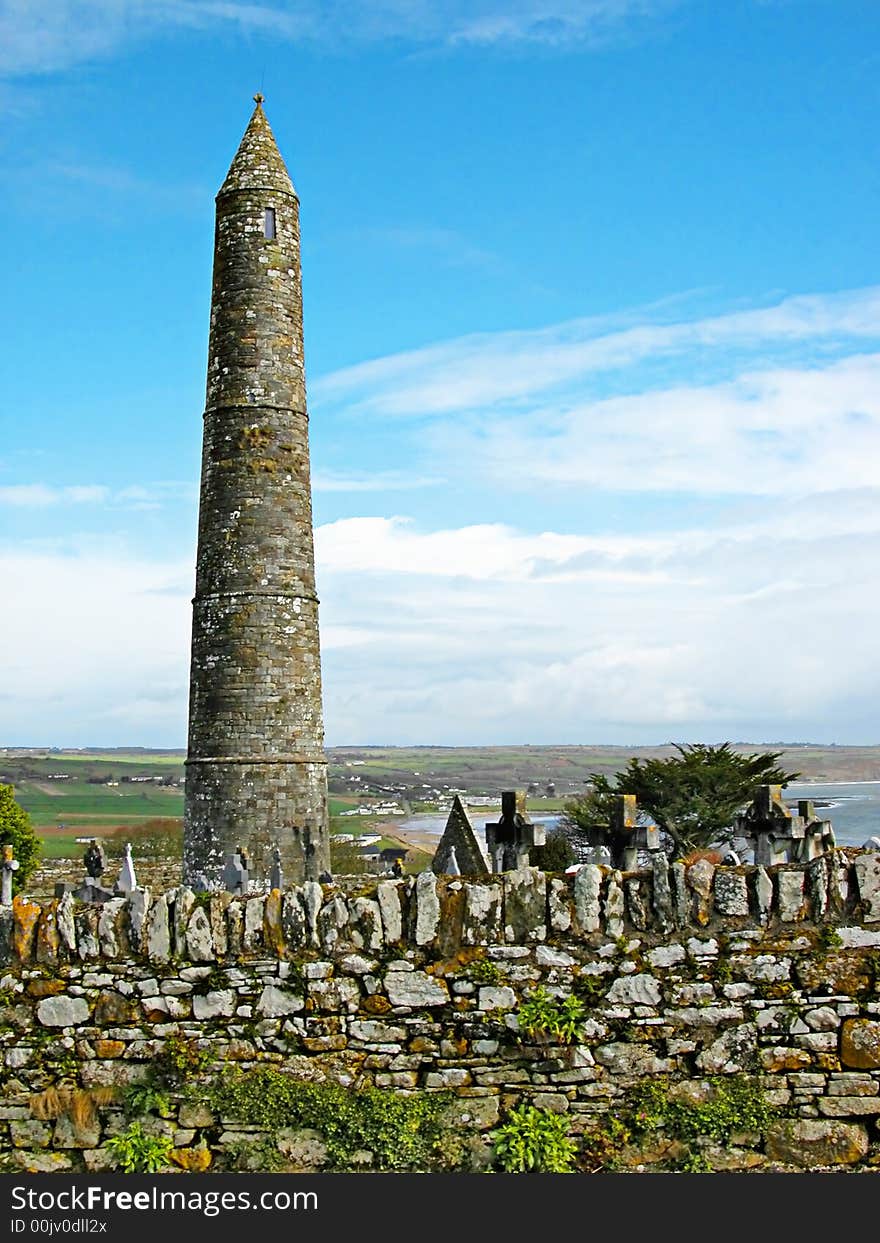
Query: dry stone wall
687,977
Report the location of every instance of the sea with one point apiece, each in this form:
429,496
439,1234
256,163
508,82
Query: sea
853,807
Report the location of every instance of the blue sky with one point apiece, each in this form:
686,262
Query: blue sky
592,314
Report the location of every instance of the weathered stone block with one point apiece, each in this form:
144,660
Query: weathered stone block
731,893
808,1142
199,942
867,873
366,924
278,1002
159,930
481,922
860,1044
388,897
426,909
219,1003
63,1011
415,988
634,990
700,877
587,891
525,906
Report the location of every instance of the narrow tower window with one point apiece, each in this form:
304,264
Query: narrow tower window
269,222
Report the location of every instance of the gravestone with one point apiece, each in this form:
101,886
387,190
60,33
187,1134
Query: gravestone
510,838
776,835
127,882
235,874
90,889
458,852
9,867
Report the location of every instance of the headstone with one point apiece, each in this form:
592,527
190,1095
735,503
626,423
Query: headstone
458,852
776,836
94,860
235,874
511,838
127,882
9,867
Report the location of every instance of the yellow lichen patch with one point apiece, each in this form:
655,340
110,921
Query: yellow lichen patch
45,988
193,1160
860,1044
109,1048
779,1058
448,966
273,936
376,1004
24,924
255,437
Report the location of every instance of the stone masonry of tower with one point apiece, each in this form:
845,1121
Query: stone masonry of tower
256,773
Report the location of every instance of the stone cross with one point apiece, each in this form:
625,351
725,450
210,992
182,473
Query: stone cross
235,874
10,866
777,836
127,882
510,839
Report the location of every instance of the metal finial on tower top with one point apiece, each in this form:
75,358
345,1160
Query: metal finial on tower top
258,99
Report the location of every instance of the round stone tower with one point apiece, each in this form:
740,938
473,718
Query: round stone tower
256,774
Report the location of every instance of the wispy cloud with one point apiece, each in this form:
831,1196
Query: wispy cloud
47,37
135,496
378,481
488,369
757,629
760,628
778,400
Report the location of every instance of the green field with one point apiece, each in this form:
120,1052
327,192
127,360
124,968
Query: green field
81,803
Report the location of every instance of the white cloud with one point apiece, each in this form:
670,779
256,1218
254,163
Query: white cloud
756,623
39,495
744,631
96,648
378,481
135,496
43,37
772,433
488,370
787,400
760,629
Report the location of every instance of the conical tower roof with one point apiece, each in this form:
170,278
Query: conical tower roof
258,164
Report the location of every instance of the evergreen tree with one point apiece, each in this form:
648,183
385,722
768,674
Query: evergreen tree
692,796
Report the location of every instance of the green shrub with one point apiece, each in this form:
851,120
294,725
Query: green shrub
146,1098
17,831
138,1153
735,1103
179,1059
828,939
534,1141
543,1016
484,971
402,1132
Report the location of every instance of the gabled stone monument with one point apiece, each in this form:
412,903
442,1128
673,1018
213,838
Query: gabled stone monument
458,852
